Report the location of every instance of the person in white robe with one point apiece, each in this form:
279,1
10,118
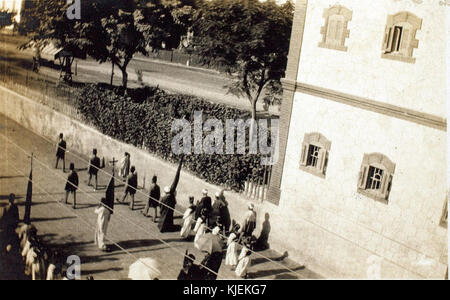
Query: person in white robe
104,215
244,262
200,230
231,258
124,166
188,218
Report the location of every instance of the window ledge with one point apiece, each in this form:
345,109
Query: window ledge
333,47
397,57
312,170
373,196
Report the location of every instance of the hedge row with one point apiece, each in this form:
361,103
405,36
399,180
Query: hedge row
145,116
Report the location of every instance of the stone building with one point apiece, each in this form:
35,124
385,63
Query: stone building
360,190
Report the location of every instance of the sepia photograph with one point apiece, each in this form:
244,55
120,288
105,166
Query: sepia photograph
243,142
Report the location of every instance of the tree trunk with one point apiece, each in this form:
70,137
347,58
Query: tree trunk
112,74
252,125
124,78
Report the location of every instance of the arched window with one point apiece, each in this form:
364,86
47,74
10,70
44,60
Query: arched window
335,31
314,154
375,176
400,36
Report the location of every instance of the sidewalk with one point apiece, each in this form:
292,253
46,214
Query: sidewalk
72,230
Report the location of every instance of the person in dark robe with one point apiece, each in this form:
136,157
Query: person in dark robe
219,209
190,271
94,166
72,185
9,219
249,224
61,152
131,187
211,262
153,199
168,202
204,203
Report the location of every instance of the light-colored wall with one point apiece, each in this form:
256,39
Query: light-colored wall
80,138
11,5
340,228
361,71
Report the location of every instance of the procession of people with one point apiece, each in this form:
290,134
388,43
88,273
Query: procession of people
206,222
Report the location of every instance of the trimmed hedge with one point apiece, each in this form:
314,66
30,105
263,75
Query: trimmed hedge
144,117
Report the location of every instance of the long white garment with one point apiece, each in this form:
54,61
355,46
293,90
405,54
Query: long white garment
51,272
231,258
188,218
241,269
104,215
200,229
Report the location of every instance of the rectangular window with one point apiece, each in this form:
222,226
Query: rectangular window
313,156
374,178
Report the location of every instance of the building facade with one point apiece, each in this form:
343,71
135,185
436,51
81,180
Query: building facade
360,189
15,6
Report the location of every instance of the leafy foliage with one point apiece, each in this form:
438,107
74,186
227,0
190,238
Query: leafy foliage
109,30
144,117
249,38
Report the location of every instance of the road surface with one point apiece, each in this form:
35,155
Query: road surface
202,83
72,231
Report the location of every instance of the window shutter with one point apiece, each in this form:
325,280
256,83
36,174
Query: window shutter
387,43
404,42
331,31
339,32
363,176
304,156
322,157
385,181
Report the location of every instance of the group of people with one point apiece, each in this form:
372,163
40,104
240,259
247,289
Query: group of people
208,220
71,187
22,254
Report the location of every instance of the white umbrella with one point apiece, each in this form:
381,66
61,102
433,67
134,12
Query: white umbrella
144,269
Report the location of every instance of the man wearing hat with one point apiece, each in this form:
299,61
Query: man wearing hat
249,223
190,271
204,203
131,186
219,209
153,198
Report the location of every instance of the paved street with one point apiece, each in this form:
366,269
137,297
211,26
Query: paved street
72,231
203,83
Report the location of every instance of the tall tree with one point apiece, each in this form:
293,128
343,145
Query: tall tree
249,39
117,35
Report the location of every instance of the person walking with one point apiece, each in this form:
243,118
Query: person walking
125,166
249,223
168,203
153,199
104,216
72,185
204,203
131,186
61,152
94,166
188,218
